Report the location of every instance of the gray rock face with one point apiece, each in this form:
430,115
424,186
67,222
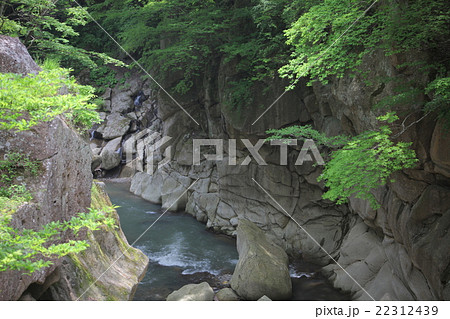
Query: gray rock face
121,118
114,276
264,298
193,292
61,190
173,192
116,125
14,57
147,186
227,294
262,268
110,154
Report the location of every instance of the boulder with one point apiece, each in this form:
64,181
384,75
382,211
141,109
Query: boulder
111,155
227,294
148,186
121,101
14,57
116,126
173,192
262,268
264,298
193,292
151,188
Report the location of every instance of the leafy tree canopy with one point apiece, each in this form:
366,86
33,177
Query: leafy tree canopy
28,100
48,29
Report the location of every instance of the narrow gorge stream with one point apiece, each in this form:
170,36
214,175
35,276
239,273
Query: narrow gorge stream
182,251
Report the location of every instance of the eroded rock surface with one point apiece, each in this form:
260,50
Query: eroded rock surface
193,292
110,269
14,57
61,189
262,268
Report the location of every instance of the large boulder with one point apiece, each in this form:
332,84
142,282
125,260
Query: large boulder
262,268
264,298
120,101
111,154
147,186
14,57
116,125
173,192
193,292
226,294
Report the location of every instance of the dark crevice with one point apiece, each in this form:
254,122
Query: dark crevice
41,292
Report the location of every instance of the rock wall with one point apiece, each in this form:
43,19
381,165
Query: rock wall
122,116
110,269
262,268
60,191
396,252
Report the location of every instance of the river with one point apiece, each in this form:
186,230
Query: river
182,251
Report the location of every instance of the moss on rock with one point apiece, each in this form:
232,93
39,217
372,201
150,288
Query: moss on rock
109,269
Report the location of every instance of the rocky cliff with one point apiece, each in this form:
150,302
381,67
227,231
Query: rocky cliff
60,191
110,269
397,252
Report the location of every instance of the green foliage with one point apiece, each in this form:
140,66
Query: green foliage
177,40
240,94
360,164
47,28
30,250
307,132
16,165
440,103
182,38
258,37
364,164
392,26
27,101
103,77
93,219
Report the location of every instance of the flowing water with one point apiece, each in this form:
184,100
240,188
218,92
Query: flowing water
181,252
